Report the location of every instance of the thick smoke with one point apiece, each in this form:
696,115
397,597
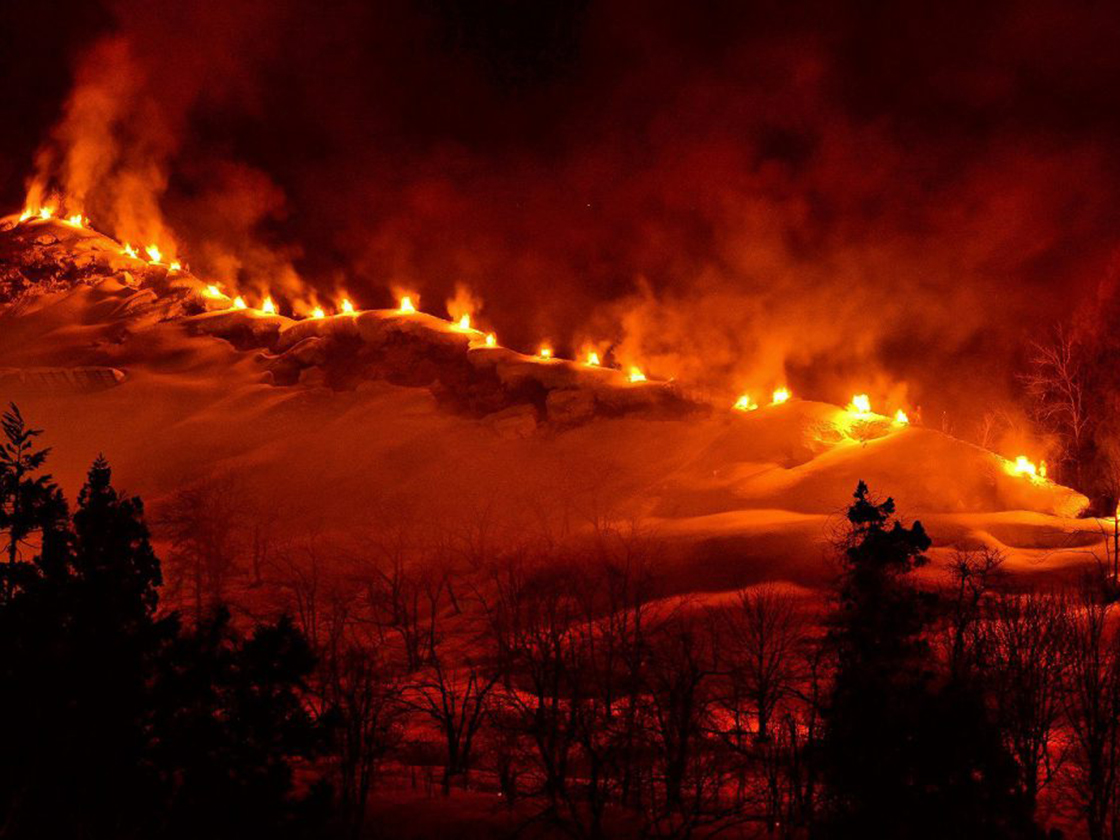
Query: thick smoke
887,201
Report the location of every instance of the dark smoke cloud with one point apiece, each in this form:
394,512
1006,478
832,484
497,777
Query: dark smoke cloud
890,199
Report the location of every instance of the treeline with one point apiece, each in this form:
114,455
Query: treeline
563,685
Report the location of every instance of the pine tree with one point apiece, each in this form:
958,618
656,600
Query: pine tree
30,502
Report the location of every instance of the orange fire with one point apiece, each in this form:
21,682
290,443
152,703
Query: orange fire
900,418
1024,466
545,352
491,339
239,303
77,221
781,395
268,307
406,304
213,291
745,403
25,215
860,405
592,358
636,375
154,255
347,307
1042,469
46,212
128,251
318,312
464,322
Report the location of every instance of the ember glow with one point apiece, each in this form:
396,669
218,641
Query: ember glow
592,359
175,265
318,312
268,307
491,339
636,375
901,418
545,352
239,303
129,251
406,306
346,307
213,291
154,254
860,405
780,396
464,322
1024,466
77,221
46,212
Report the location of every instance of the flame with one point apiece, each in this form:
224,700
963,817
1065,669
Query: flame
592,358
25,215
1042,469
406,304
781,395
491,339
77,221
318,312
636,375
268,307
861,405
128,251
347,307
46,212
545,352
213,291
464,322
900,418
745,403
154,254
175,265
239,303
1024,466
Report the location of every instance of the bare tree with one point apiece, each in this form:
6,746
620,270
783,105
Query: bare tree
1028,634
1056,382
1093,711
972,576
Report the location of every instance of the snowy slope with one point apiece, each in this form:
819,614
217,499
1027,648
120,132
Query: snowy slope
355,422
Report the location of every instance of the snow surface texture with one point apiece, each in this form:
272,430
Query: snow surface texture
381,419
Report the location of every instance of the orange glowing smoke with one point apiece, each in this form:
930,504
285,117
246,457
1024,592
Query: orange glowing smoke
491,339
347,307
781,395
901,418
745,403
268,307
406,304
153,253
545,352
239,303
636,375
860,405
592,358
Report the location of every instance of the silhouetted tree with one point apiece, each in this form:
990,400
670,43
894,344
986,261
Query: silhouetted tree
30,502
902,755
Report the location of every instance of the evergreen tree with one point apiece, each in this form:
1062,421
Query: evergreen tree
30,502
905,753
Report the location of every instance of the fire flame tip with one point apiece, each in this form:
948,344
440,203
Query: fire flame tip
780,396
407,305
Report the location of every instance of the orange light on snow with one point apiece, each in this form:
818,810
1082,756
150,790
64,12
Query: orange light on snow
491,340
268,307
545,352
636,375
592,358
239,303
153,253
347,307
781,395
406,304
745,403
900,418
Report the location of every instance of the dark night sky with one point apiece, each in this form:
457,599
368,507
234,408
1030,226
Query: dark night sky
734,193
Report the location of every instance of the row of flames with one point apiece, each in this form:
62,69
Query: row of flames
859,408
